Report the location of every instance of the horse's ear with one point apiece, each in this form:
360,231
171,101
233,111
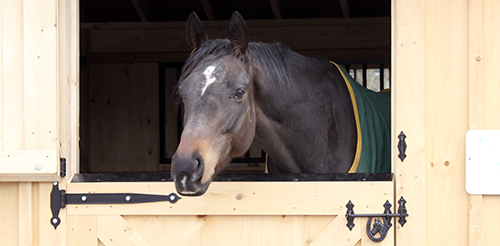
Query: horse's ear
237,33
195,32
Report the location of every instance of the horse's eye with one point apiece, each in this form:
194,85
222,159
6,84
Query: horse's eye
239,93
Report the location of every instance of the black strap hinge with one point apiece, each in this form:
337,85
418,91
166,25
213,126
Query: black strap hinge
59,199
382,222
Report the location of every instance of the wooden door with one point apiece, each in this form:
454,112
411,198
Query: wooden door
34,74
445,56
230,213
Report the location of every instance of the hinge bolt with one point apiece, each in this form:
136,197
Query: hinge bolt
84,198
127,198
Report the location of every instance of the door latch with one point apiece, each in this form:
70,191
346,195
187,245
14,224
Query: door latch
382,222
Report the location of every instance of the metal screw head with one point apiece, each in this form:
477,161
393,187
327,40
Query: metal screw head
38,167
84,198
172,197
54,221
127,198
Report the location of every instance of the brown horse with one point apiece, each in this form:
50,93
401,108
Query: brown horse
234,91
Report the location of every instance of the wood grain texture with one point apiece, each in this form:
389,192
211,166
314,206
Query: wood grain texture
115,230
82,230
447,120
491,107
256,198
408,114
476,108
124,123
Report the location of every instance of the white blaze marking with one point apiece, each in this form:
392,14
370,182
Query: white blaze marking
183,182
210,78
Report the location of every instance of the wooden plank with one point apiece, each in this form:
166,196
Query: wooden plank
447,85
142,10
491,107
276,9
491,220
491,37
408,115
333,54
25,214
208,10
71,78
33,165
303,37
337,233
9,218
475,108
124,130
295,230
250,23
12,75
40,75
1,70
114,230
82,230
241,198
345,8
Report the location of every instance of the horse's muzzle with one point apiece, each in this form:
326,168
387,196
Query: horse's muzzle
187,172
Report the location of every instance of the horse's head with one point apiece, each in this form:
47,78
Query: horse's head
219,117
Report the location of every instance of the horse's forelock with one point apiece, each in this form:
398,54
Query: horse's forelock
271,58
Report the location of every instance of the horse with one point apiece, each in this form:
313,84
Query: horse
234,91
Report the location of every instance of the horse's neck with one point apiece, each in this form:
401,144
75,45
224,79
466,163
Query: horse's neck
299,119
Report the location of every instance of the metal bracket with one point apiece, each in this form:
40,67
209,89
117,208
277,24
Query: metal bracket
402,146
380,226
63,167
59,199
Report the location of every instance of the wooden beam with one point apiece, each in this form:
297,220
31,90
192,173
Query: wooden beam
334,54
242,198
250,23
142,10
305,34
29,165
276,9
208,10
345,8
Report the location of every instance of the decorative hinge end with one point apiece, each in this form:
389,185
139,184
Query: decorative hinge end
402,146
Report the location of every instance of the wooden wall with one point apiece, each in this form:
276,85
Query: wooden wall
120,79
121,119
445,67
166,42
38,88
484,59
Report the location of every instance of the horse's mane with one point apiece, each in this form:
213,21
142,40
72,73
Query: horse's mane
268,56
